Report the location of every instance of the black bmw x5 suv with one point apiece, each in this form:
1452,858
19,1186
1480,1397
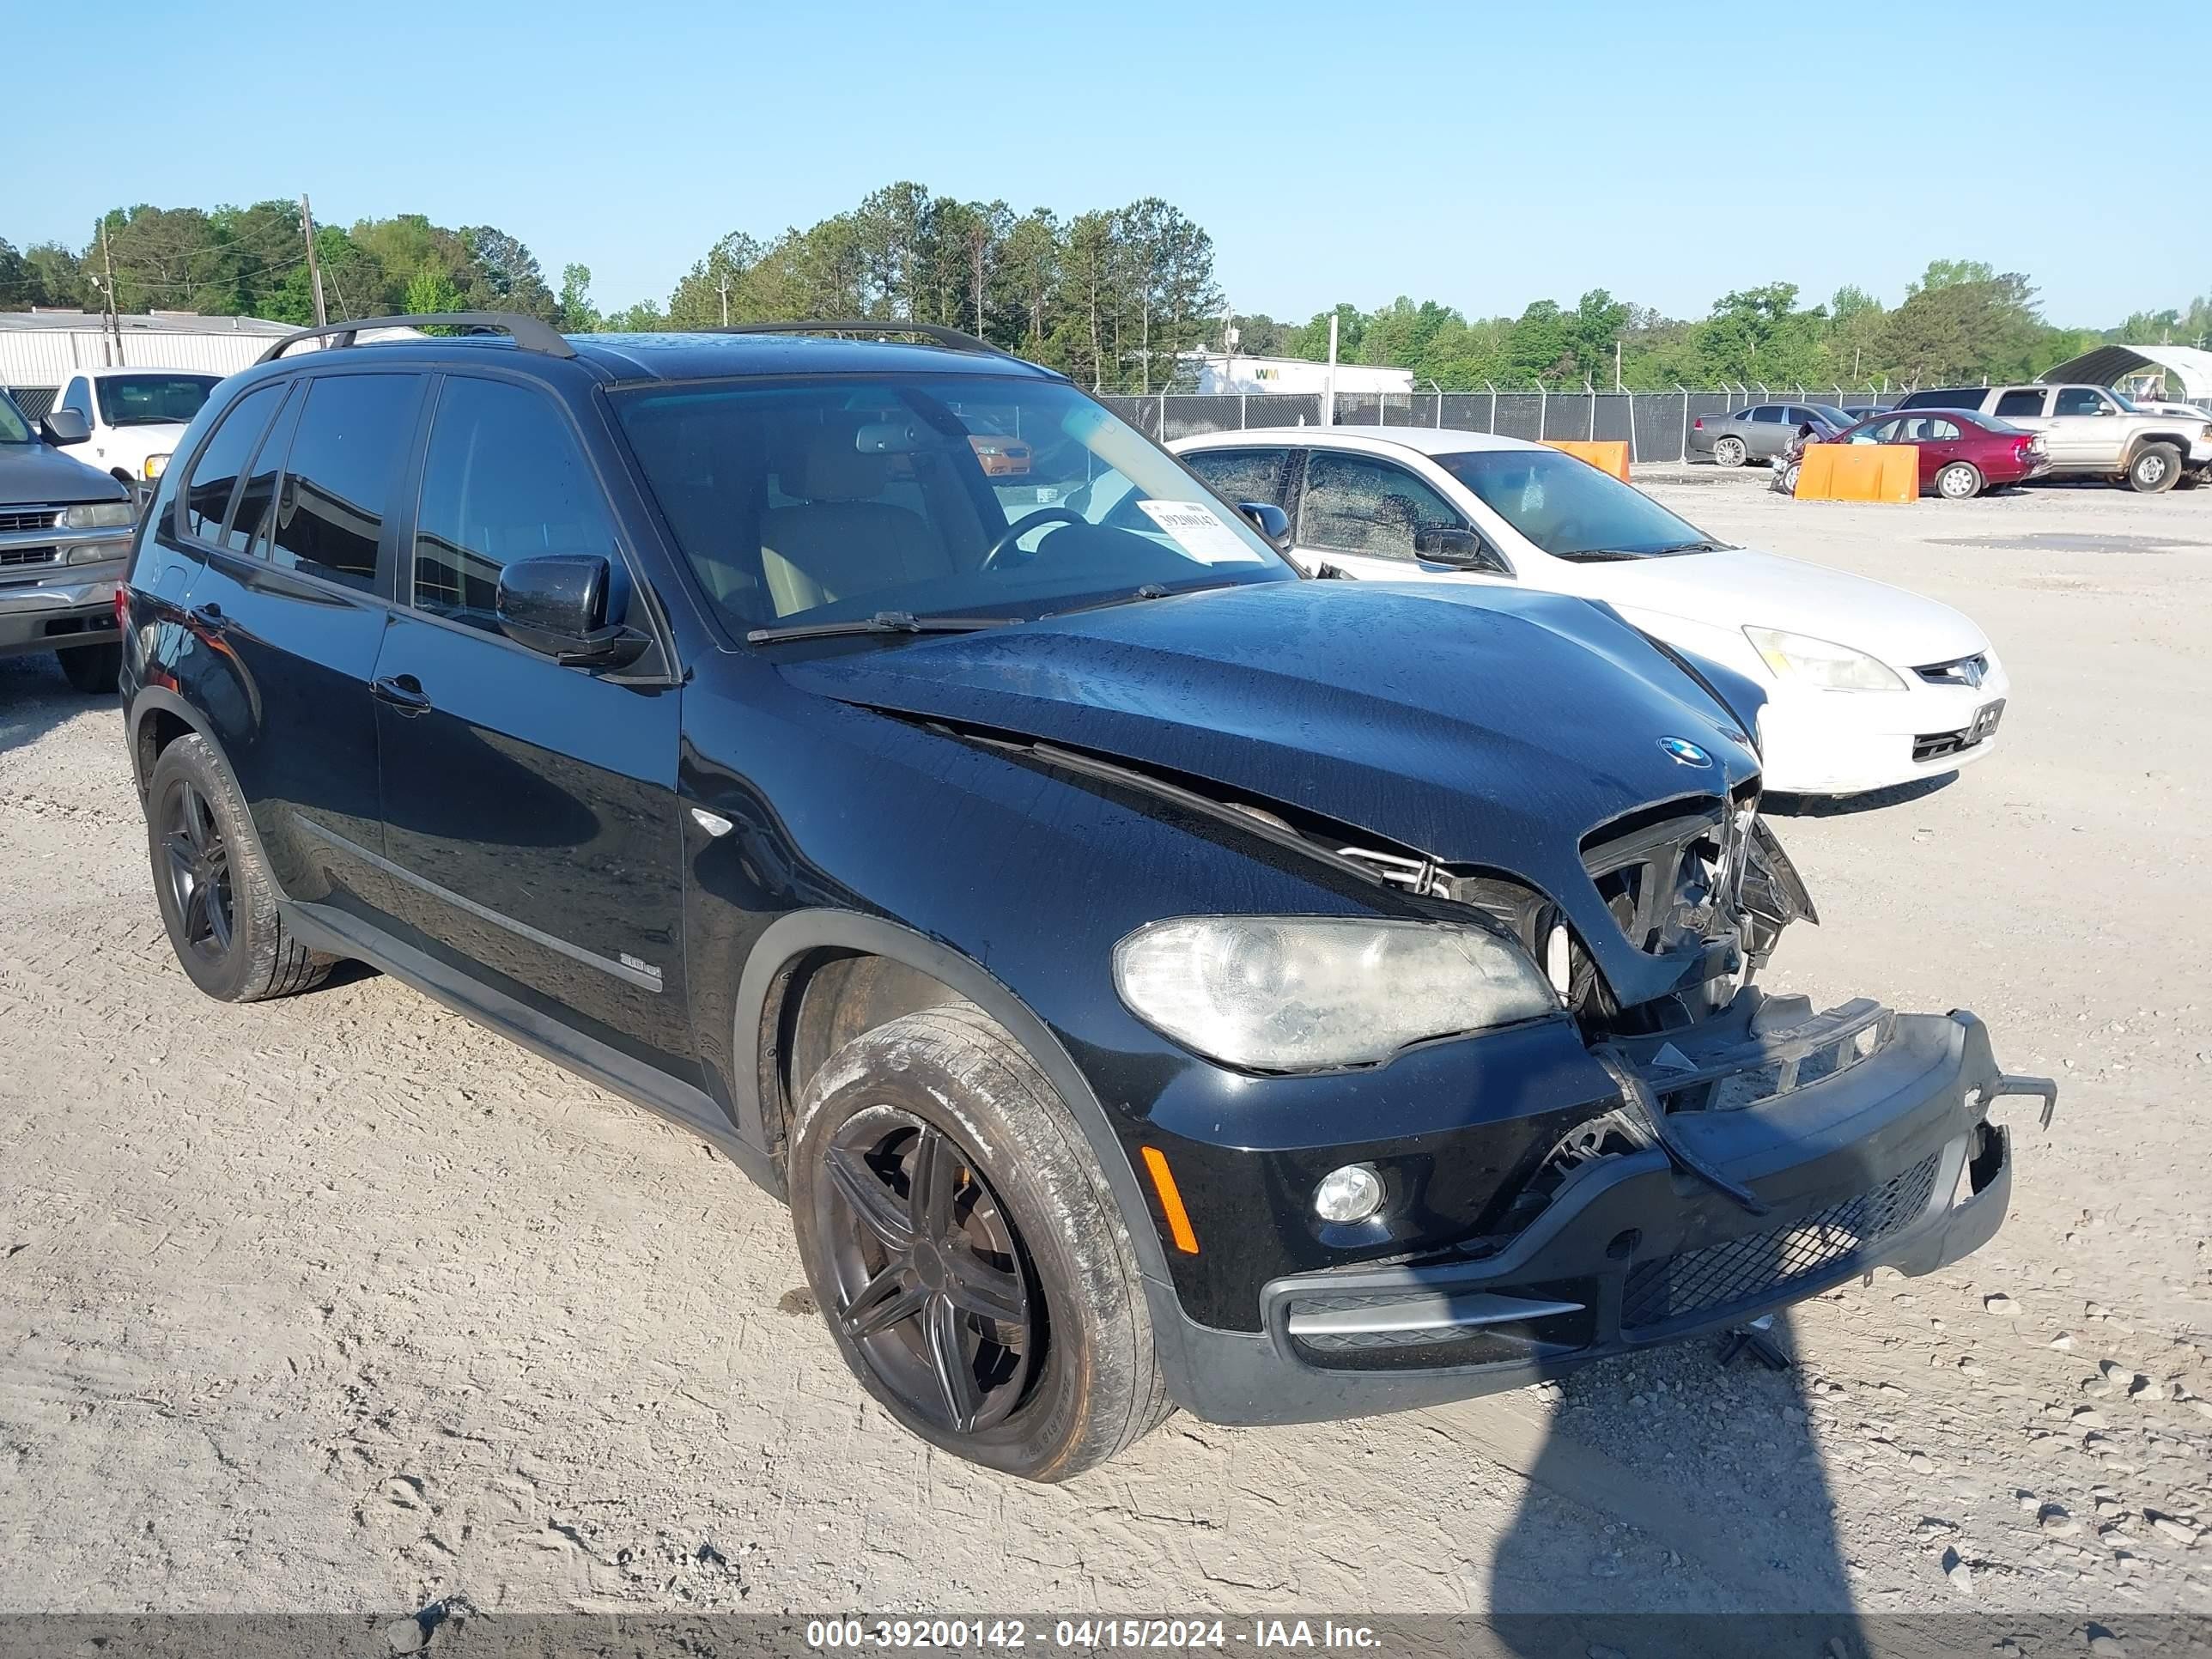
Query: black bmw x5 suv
1151,976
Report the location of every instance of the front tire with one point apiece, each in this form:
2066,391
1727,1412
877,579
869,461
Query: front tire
218,899
965,1251
91,669
1959,482
2154,468
1729,451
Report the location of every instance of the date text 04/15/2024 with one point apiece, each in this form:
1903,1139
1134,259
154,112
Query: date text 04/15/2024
830,1635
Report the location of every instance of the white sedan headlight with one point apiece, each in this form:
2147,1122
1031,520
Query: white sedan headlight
1821,662
98,516
1301,993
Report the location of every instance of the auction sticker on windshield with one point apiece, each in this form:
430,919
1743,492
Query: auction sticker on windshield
1198,533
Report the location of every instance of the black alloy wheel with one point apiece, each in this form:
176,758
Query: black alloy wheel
934,1284
197,861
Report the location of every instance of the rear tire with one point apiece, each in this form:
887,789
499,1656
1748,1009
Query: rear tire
1959,482
935,1173
2154,468
92,669
218,899
1729,451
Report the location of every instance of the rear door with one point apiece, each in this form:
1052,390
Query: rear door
1767,433
529,809
288,615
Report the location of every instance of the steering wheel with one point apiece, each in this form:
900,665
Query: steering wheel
1022,526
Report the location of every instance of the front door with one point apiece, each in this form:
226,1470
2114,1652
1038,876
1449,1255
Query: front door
1365,515
2083,431
529,809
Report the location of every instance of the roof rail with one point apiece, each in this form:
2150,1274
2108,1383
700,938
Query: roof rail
528,332
936,333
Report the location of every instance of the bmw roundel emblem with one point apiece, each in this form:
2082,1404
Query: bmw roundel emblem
1683,752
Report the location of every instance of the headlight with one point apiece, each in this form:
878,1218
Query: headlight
1819,662
155,467
1299,994
98,516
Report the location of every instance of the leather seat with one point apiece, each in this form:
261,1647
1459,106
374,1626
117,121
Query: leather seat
839,538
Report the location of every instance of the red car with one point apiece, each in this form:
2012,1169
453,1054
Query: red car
1961,454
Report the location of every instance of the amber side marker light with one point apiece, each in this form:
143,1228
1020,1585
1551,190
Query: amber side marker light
1164,1183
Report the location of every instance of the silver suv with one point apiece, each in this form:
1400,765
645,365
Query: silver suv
2091,431
64,534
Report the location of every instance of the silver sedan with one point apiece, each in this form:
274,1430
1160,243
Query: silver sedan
1760,431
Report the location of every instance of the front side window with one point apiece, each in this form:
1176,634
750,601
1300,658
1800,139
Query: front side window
14,429
77,395
503,480
153,400
831,501
353,436
1245,475
1571,510
2021,400
1360,504
2080,400
1767,415
206,495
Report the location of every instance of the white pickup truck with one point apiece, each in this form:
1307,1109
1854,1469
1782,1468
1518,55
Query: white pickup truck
135,417
2091,431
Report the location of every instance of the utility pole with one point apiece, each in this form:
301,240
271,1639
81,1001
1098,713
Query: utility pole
1616,362
725,300
314,269
1328,398
114,316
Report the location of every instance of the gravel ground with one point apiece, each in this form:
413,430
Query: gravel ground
340,1303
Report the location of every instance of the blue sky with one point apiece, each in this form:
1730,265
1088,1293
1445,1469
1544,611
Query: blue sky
1483,155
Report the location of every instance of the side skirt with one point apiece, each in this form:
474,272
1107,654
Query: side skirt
321,927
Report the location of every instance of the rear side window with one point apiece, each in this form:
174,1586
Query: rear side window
1245,475
353,436
215,474
2023,400
503,481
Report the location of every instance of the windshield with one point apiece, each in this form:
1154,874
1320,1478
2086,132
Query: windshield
14,429
1571,509
1830,414
152,399
963,495
2125,402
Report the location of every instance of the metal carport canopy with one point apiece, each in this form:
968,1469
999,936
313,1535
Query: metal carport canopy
2104,366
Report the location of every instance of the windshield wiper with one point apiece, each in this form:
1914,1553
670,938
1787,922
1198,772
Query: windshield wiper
1149,590
1702,544
1599,556
884,621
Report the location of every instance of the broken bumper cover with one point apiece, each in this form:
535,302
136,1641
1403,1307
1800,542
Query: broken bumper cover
1891,1162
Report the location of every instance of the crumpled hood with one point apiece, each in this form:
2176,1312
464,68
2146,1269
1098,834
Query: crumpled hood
1480,725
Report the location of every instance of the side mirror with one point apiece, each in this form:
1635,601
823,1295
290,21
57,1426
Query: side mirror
556,605
1268,520
65,426
1442,545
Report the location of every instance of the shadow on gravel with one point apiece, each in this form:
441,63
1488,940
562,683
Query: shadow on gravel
34,699
1844,806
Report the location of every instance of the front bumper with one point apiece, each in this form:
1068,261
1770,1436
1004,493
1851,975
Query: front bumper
1843,742
52,606
1891,1162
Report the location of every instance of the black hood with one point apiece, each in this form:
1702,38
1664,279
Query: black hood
36,474
1484,727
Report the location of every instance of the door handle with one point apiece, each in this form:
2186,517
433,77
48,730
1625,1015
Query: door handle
402,692
209,619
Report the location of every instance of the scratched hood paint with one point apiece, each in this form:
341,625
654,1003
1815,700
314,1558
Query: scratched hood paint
1479,726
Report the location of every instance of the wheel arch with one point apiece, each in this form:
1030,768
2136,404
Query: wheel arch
791,1007
158,718
2142,440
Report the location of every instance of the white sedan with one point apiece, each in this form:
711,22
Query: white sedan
1867,685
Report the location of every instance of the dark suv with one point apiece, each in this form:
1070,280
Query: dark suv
1151,975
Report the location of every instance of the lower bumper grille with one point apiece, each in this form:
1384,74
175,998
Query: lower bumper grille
1753,1269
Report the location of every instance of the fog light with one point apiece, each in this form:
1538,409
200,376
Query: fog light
1350,1194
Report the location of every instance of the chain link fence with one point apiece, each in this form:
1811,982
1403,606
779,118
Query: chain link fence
1656,425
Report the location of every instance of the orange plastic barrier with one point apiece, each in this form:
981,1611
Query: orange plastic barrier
1859,472
1609,457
